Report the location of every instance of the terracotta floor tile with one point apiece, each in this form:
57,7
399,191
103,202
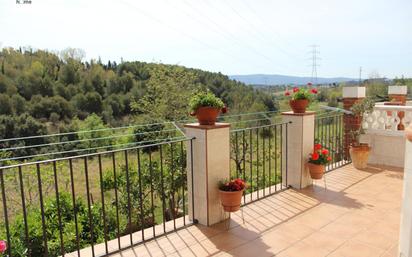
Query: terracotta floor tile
357,249
324,240
356,216
375,239
308,250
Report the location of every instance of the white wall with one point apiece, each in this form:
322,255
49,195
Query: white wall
405,240
387,148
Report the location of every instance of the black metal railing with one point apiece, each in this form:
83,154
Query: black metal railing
258,156
95,204
329,133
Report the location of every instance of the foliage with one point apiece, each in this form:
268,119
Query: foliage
35,246
320,155
205,99
359,109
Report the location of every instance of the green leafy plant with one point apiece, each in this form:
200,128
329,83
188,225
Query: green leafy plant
359,109
301,93
205,99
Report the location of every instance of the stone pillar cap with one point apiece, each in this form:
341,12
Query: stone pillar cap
353,92
397,90
216,126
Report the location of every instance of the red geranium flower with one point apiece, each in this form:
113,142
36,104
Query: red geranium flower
315,156
224,109
318,146
325,152
287,93
295,89
314,91
329,158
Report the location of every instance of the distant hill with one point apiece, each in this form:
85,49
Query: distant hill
274,79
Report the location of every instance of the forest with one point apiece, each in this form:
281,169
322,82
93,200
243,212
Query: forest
43,91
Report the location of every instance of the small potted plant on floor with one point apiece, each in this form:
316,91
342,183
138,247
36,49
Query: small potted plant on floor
359,152
317,161
231,194
206,107
300,98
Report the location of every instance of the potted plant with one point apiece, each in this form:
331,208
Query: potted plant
300,98
317,161
359,152
206,107
231,194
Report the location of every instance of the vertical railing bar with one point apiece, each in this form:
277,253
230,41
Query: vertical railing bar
86,173
276,157
251,164
43,218
140,194
6,219
281,156
257,161
264,161
23,204
192,175
116,198
129,214
270,159
184,183
286,150
329,138
151,192
244,162
172,165
103,204
74,207
335,140
163,190
56,186
236,154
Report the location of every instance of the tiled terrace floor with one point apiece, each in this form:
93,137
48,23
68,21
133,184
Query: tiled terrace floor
357,215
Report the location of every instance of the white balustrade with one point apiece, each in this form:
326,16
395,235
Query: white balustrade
387,118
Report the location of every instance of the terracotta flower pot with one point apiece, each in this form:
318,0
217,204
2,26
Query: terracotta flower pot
409,132
359,155
231,200
206,115
316,170
299,106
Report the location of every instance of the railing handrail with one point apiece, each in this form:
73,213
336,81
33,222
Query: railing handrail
393,107
262,126
183,139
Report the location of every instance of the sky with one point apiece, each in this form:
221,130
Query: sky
228,36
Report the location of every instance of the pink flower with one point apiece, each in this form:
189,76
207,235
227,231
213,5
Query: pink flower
3,246
295,89
287,93
309,83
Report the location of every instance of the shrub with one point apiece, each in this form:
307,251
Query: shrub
204,99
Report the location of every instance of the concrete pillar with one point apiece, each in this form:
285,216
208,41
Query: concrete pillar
300,137
211,164
350,96
405,242
397,96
